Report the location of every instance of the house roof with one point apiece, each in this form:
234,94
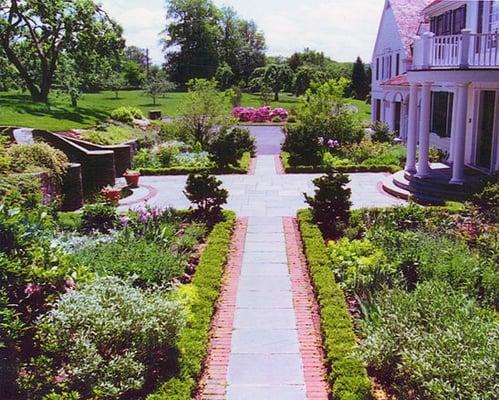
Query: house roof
399,80
434,2
409,16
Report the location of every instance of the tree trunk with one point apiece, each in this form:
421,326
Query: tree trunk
37,96
276,96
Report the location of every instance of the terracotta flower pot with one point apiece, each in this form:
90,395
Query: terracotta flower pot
113,195
132,180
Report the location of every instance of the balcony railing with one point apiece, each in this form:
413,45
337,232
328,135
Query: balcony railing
466,50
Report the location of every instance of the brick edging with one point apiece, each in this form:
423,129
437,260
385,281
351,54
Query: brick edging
151,192
213,382
252,167
307,315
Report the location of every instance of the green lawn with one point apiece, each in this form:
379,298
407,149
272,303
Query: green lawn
17,109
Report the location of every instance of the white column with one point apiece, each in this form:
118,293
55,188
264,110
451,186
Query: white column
412,140
392,115
455,117
460,132
383,111
424,131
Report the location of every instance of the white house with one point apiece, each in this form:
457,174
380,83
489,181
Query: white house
436,82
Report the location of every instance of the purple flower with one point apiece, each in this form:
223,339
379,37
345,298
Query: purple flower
332,144
124,220
321,140
32,289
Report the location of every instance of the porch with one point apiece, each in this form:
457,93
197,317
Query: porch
466,50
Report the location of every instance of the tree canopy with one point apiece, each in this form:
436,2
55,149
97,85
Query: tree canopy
35,34
201,38
361,84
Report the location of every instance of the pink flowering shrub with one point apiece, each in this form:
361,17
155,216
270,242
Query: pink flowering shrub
262,114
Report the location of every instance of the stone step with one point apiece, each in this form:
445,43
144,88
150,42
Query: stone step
425,187
420,198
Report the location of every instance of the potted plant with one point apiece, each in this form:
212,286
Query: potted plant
132,178
112,194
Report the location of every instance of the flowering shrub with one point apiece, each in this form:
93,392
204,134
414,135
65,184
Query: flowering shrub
262,114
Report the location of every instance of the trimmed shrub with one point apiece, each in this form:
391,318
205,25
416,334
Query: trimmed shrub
104,341
126,114
331,204
206,193
433,344
230,144
348,376
302,144
38,157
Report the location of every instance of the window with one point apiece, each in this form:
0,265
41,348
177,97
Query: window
450,23
390,68
397,65
377,69
441,113
459,20
494,17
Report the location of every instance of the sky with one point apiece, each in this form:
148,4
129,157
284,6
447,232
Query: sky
342,29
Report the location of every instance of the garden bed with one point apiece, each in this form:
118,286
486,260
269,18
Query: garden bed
346,168
97,304
412,294
244,167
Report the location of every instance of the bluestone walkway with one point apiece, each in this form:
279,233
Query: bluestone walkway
265,359
266,336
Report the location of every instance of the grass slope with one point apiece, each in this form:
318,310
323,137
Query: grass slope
17,109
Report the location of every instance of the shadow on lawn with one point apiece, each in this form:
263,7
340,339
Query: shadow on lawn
22,104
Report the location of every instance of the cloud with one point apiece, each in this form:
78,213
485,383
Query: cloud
343,30
142,24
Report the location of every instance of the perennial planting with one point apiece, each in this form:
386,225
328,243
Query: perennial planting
421,287
95,305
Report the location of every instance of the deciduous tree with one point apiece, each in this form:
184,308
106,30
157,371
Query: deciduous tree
34,34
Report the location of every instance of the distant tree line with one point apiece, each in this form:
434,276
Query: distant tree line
75,47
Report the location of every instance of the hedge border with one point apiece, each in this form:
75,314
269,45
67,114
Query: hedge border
348,376
242,169
194,339
319,169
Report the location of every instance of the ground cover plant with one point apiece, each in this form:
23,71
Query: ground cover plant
422,287
106,304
